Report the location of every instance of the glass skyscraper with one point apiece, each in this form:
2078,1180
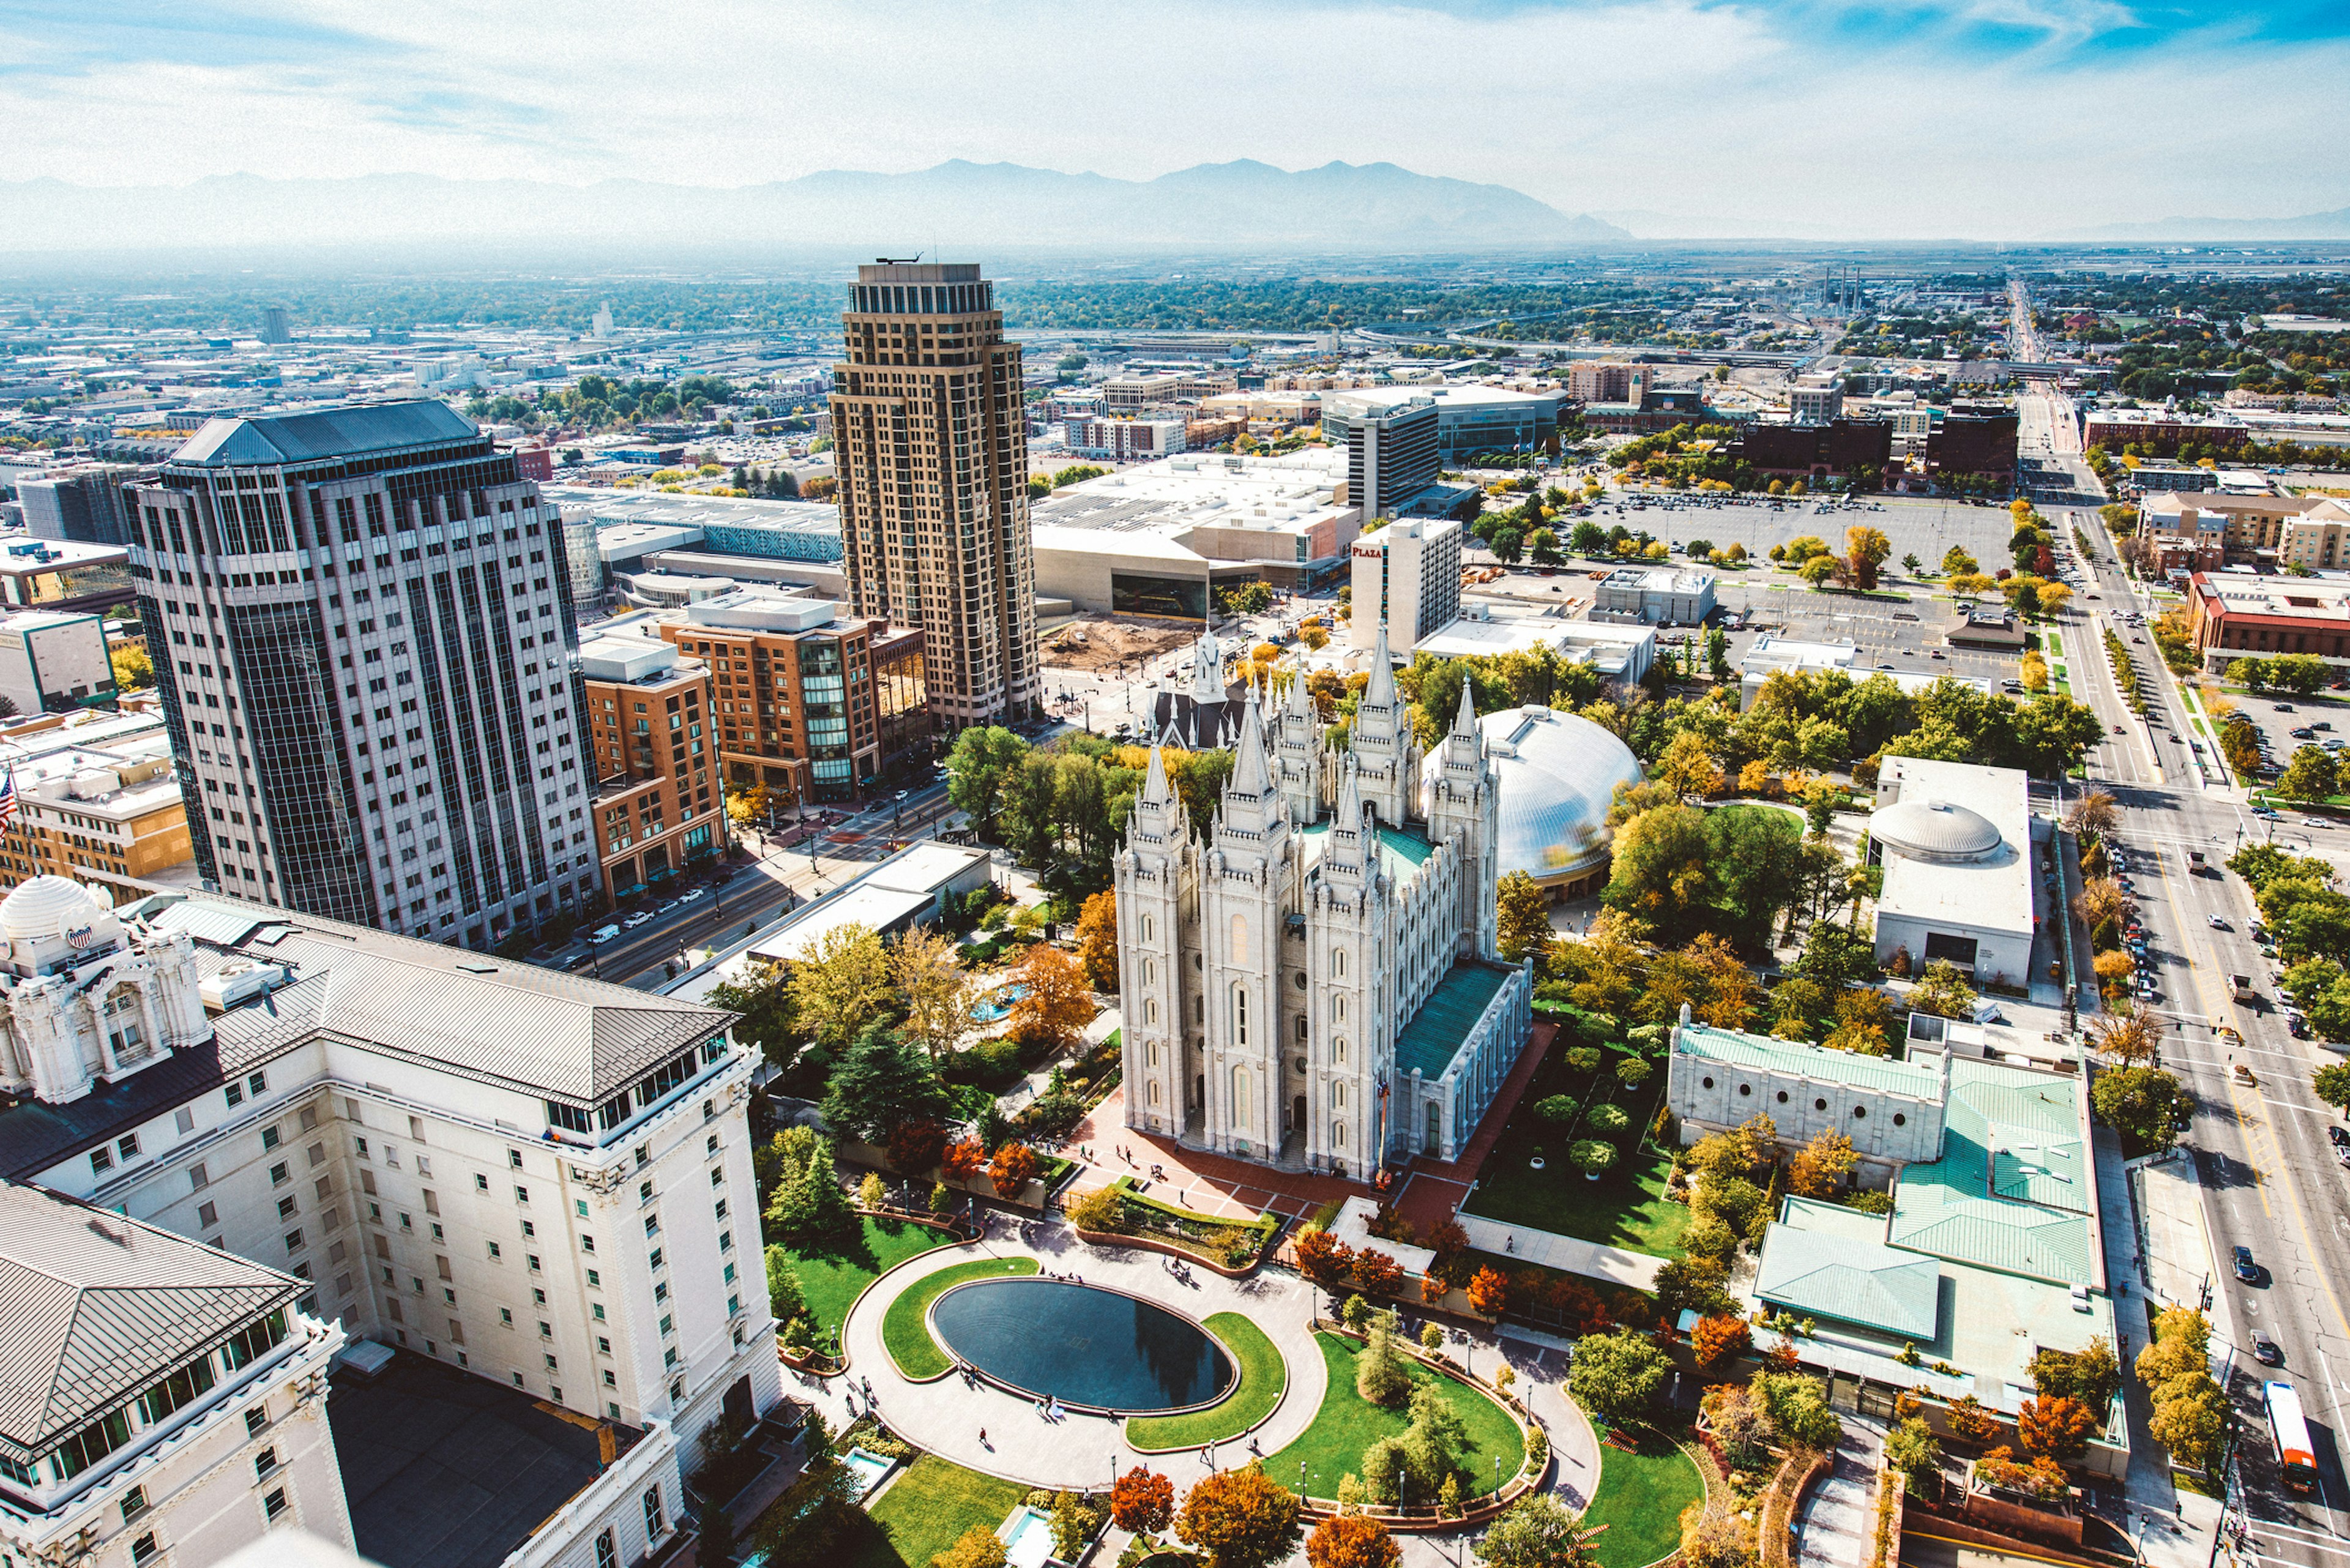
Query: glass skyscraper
361,624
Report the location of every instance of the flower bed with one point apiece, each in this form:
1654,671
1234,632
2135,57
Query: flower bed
1229,1246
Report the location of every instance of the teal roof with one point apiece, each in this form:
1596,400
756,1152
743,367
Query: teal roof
1881,1074
1433,1038
1829,1271
2013,1188
1401,851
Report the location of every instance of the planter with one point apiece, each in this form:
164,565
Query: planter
1537,1163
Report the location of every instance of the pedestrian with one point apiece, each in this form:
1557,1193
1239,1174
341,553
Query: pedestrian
983,1437
1509,1243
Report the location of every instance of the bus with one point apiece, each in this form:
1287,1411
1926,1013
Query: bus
2296,1460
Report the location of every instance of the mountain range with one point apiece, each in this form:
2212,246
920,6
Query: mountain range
2331,225
1238,206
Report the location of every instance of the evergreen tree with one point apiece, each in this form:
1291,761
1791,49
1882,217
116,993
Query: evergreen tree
881,1083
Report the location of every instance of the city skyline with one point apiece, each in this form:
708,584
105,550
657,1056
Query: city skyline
1946,119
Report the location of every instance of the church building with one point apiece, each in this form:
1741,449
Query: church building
1311,982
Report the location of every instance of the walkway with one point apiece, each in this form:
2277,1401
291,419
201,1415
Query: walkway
1835,1529
1568,1254
1203,1182
1435,1189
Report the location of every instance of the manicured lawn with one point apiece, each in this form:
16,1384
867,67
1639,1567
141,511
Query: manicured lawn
925,1512
831,1278
1347,1424
903,1328
1641,1500
1263,1378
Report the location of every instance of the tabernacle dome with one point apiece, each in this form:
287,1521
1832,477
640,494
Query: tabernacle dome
1558,776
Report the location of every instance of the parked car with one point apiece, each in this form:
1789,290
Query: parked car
2336,1135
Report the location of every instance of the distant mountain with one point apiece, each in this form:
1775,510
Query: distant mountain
1238,206
2333,225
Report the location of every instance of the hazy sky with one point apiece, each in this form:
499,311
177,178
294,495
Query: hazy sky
1986,118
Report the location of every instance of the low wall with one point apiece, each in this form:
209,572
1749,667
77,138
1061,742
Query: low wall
979,1185
1153,1244
1783,1499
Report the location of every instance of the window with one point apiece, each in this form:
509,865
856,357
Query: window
608,1551
197,1176
269,1137
1240,1012
134,1503
481,1183
274,1504
101,1160
144,1549
128,1145
264,1464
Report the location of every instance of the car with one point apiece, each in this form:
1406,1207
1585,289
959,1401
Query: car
1937,653
2141,641
697,893
2219,925
2121,729
2265,1349
2267,811
2284,708
632,921
2321,724
604,933
2246,1269
2338,1136
2318,822
2174,737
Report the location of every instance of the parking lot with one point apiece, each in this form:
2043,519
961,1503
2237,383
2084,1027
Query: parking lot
1923,527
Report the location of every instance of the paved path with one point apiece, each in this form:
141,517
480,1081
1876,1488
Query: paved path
1835,1529
1566,1253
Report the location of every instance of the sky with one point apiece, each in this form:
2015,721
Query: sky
1879,119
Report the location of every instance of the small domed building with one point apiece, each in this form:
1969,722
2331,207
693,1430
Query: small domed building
83,1002
1557,774
1955,841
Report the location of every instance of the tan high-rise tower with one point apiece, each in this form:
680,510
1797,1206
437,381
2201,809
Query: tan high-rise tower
930,444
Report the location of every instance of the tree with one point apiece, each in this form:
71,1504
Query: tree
1489,1291
1616,1376
2094,813
2091,1375
763,999
809,1209
2182,1344
1377,1273
2058,1428
1543,544
2127,1038
1820,1166
1943,991
132,668
1971,1421
2300,673
1074,1523
1097,942
1058,1004
2310,776
785,1300
1239,1519
1015,1165
2332,1085
1142,1501
983,757
977,1548
2142,1104
1957,563
1352,1540
1380,1374
1797,1407
1820,569
931,982
2191,1419
1536,1531
1912,1449
882,1082
1522,916
1322,1257
1866,549
1718,1341
838,984
1714,1537
1862,1016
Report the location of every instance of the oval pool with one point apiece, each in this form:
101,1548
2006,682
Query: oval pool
1082,1344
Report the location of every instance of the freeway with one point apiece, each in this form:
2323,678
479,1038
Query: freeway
2270,1179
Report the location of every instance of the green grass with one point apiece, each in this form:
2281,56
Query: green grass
832,1278
1627,1207
1347,1424
924,1512
1640,1499
907,1335
1262,1376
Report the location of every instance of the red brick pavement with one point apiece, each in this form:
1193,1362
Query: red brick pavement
1215,1184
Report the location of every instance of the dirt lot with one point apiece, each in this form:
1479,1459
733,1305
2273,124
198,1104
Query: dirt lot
1110,642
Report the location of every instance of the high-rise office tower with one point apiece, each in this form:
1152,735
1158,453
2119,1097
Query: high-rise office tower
361,625
276,325
932,449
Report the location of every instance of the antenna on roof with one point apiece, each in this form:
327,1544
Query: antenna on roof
898,261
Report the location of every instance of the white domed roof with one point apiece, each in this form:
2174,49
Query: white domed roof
46,907
1934,830
1558,776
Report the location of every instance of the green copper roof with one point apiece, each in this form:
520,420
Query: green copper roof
2012,1190
1433,1038
1838,1269
1401,851
1881,1074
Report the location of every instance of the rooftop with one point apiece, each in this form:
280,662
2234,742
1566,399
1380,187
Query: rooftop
2282,598
446,1470
2013,1190
1828,1260
1401,851
1943,866
100,1306
1879,1074
1433,1038
1196,490
357,430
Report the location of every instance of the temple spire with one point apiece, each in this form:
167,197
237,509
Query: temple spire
1155,790
1250,774
1381,691
1465,723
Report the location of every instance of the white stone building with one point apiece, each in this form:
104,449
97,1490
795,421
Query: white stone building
160,1401
1311,980
524,1175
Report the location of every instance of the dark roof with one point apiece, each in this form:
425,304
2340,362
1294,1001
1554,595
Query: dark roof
100,1306
1434,1036
358,431
443,1468
35,1135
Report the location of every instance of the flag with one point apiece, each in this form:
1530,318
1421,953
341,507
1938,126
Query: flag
7,801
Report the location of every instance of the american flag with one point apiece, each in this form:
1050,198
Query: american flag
7,801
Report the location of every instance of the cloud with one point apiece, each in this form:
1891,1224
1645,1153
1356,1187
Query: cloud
1893,118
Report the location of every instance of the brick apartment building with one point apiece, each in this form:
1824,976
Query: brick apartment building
659,806
2236,615
811,703
1860,450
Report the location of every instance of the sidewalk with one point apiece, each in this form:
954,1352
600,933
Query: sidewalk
1565,1253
